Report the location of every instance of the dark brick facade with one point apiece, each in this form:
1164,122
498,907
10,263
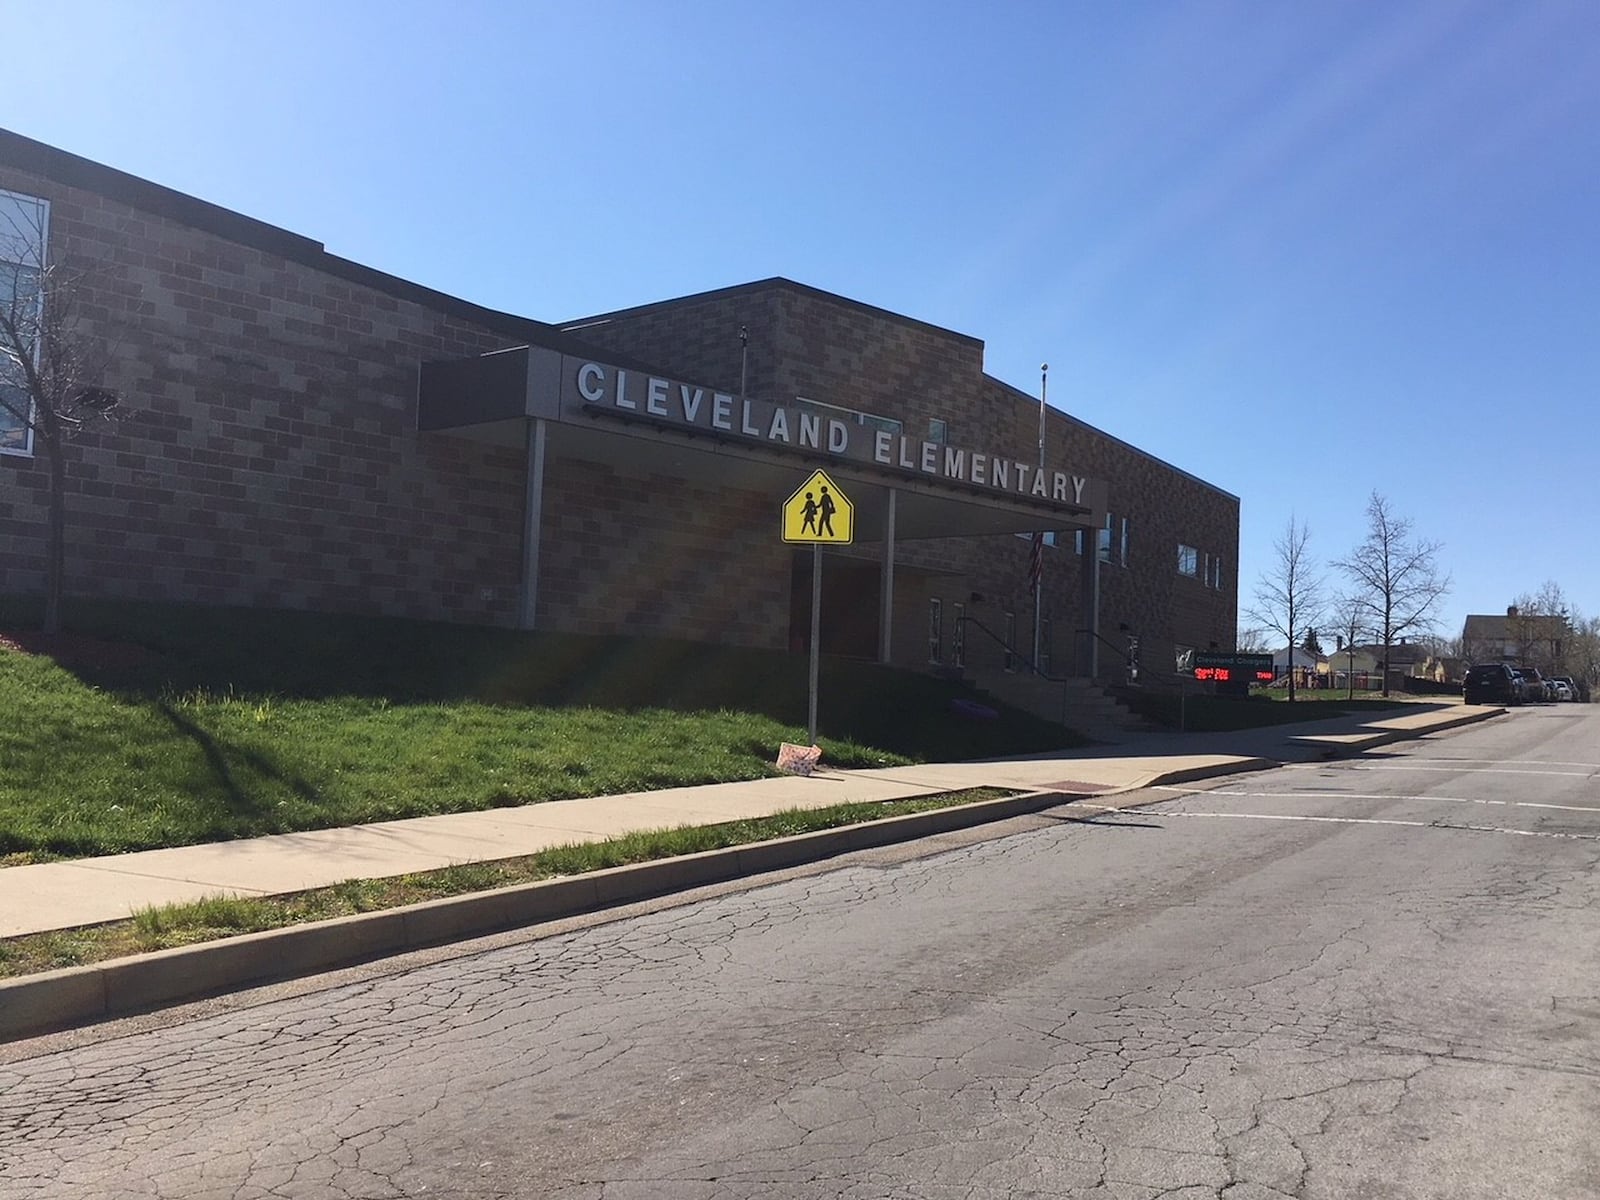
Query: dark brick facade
269,455
805,343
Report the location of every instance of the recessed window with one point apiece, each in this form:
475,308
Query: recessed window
1188,561
23,228
851,415
938,432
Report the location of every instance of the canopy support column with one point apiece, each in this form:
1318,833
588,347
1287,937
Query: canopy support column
886,590
532,518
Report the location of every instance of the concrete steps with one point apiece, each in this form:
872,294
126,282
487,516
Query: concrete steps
1079,704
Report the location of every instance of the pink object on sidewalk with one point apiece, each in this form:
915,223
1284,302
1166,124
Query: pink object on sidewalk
798,760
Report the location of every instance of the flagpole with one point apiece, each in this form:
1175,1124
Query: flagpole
1038,579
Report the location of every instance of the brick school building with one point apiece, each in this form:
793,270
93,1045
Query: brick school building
303,431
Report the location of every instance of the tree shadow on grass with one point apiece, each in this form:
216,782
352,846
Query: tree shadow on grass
216,755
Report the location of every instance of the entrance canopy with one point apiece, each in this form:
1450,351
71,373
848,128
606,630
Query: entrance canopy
630,417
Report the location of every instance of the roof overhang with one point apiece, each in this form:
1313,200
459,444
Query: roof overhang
492,398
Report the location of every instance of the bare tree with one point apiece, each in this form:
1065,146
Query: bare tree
1253,640
1289,593
1396,576
1349,617
1539,624
51,370
1584,655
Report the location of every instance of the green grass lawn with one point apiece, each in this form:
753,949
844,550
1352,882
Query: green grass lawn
240,722
1222,714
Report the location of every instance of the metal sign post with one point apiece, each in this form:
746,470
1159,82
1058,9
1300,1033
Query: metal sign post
820,514
816,641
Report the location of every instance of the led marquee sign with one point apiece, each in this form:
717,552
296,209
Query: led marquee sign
1233,668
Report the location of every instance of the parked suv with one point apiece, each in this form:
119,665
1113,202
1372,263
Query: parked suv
1491,683
1539,692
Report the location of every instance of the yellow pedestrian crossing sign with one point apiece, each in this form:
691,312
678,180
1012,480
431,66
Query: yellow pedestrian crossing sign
819,513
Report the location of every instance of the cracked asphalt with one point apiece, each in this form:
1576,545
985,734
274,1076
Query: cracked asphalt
1373,978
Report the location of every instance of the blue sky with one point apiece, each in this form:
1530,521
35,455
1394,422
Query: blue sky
1303,251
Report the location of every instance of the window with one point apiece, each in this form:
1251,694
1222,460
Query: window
1114,540
23,225
851,415
958,638
935,630
1080,540
938,432
1216,571
1011,641
1188,561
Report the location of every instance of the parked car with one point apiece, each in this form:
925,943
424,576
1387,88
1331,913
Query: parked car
1538,692
1563,689
1492,683
1579,692
1524,689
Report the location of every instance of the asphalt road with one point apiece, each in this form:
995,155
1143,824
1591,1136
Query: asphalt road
1376,978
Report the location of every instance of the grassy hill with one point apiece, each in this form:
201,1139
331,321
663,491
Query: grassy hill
153,725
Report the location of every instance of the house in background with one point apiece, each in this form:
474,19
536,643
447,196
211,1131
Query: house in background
1366,662
1529,639
1308,668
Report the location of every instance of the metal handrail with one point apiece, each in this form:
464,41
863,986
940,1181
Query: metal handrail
1120,651
1033,667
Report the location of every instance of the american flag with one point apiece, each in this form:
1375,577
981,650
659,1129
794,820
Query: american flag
1036,561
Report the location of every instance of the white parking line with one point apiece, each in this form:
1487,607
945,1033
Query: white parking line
1492,762
1476,770
1376,796
1579,837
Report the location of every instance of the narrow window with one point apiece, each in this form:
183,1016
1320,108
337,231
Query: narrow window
23,235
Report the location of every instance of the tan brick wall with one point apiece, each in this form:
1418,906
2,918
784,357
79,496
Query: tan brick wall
648,555
804,343
269,457
268,453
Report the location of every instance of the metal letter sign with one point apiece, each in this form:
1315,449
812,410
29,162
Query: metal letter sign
819,513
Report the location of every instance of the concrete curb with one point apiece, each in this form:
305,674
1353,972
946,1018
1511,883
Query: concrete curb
1403,735
55,1000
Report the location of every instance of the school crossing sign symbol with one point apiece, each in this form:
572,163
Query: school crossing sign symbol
819,513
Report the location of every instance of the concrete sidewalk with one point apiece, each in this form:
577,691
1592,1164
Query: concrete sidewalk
65,895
